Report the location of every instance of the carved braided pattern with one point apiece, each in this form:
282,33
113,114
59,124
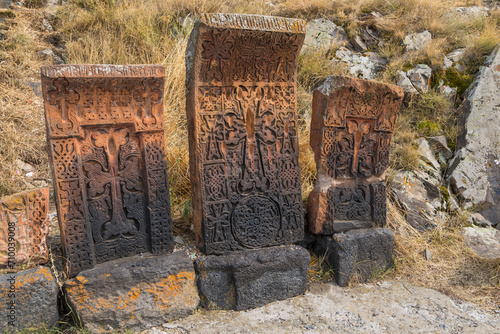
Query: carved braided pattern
158,192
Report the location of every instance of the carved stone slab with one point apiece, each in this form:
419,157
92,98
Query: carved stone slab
24,225
106,146
242,122
351,131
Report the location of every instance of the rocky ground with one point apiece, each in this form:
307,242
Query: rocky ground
387,307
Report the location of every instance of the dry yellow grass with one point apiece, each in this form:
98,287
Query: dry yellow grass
21,111
453,268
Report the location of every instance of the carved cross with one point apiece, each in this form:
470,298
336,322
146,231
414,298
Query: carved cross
63,98
253,125
149,94
100,177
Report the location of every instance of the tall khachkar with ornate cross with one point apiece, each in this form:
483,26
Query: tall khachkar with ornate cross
351,131
242,122
106,147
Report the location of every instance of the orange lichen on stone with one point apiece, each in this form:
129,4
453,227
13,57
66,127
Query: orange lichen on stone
165,292
29,299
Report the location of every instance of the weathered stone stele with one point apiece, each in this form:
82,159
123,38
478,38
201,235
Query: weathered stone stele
24,225
242,122
106,147
351,132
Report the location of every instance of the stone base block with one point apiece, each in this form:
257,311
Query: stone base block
358,254
247,279
28,300
134,293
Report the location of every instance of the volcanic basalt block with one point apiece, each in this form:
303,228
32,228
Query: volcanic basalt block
106,148
357,254
29,300
252,278
24,225
351,131
134,293
242,120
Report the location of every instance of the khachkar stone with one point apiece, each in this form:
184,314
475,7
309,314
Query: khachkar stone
351,132
242,122
106,146
24,225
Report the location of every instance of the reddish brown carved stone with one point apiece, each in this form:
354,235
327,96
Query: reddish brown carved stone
24,225
106,145
351,132
242,122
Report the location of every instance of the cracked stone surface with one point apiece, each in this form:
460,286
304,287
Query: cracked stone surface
475,170
390,307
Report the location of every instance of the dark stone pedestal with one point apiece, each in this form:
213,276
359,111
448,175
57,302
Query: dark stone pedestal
134,293
28,300
357,254
248,279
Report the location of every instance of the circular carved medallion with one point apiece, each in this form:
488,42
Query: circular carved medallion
255,221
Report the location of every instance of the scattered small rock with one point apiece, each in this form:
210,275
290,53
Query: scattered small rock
470,12
323,33
420,77
5,3
405,83
25,167
36,86
426,153
484,241
439,146
46,25
427,254
364,66
49,53
449,92
418,194
415,42
357,44
178,240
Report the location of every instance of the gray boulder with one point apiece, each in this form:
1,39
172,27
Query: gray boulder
323,33
418,194
29,300
405,83
133,293
474,172
440,148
